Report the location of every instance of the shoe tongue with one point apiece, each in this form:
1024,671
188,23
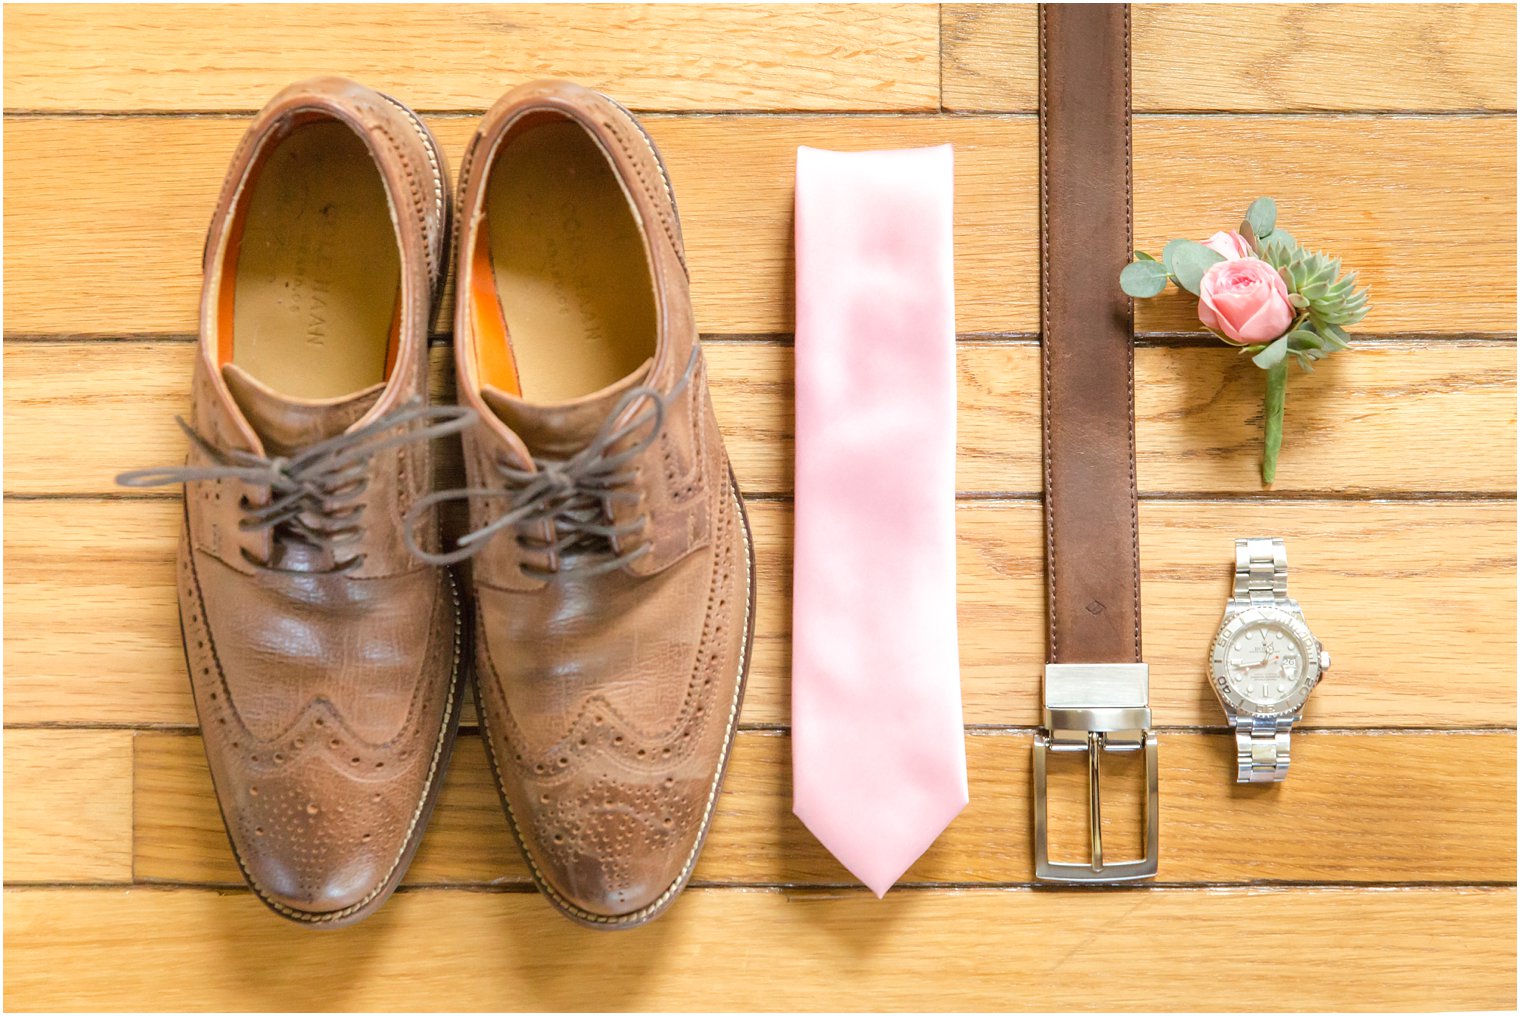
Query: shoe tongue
557,430
288,425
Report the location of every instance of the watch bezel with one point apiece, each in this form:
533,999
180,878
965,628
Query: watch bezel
1219,677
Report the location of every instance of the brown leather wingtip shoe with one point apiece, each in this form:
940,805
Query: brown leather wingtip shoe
613,571
324,659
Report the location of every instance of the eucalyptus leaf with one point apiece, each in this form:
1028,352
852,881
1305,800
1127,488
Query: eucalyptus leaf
1272,355
1142,279
1140,255
1302,339
1168,253
1187,260
1262,215
1250,235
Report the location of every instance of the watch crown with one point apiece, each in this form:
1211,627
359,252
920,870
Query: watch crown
1324,660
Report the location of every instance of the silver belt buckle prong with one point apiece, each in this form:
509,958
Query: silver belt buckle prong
1096,707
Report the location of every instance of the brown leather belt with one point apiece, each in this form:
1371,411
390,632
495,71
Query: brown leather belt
1096,687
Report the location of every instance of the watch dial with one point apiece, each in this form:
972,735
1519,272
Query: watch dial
1264,663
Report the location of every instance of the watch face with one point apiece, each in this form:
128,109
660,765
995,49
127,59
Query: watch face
1265,662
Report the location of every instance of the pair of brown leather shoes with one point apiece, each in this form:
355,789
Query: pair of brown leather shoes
612,571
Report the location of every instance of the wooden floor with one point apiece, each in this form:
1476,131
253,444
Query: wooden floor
1382,876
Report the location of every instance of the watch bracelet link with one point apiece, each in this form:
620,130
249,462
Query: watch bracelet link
1261,571
1261,749
1261,742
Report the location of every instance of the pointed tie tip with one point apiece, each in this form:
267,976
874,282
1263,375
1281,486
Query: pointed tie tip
869,865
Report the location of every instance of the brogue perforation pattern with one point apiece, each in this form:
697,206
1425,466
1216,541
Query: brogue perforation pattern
259,780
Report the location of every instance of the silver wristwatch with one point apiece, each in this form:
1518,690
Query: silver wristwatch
1265,661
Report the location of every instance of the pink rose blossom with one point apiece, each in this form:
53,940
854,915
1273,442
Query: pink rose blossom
1245,300
1229,245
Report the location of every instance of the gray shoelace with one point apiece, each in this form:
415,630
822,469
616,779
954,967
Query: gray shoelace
574,495
313,493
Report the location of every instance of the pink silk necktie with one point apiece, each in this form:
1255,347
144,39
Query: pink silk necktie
878,748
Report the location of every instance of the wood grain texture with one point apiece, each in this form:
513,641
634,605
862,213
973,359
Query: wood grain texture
1258,57
777,950
733,177
118,206
1437,650
713,56
1328,823
990,57
68,806
1388,418
1387,194
1391,417
770,57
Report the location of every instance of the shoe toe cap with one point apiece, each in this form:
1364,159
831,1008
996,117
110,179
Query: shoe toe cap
599,890
319,850
607,862
316,893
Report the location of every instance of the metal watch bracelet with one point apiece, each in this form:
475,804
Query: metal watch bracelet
1261,742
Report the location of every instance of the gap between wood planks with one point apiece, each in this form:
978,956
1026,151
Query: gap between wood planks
992,498
528,888
761,114
785,729
1143,340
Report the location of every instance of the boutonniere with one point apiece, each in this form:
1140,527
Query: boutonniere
1259,290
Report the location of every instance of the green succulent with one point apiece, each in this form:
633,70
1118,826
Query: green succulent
1327,301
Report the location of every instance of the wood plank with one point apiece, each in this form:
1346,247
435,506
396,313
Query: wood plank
1416,601
1409,949
772,57
1384,418
733,177
1258,57
1393,196
989,57
68,806
711,56
1393,417
1329,822
1366,189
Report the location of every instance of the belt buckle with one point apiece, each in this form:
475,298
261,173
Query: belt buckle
1096,707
